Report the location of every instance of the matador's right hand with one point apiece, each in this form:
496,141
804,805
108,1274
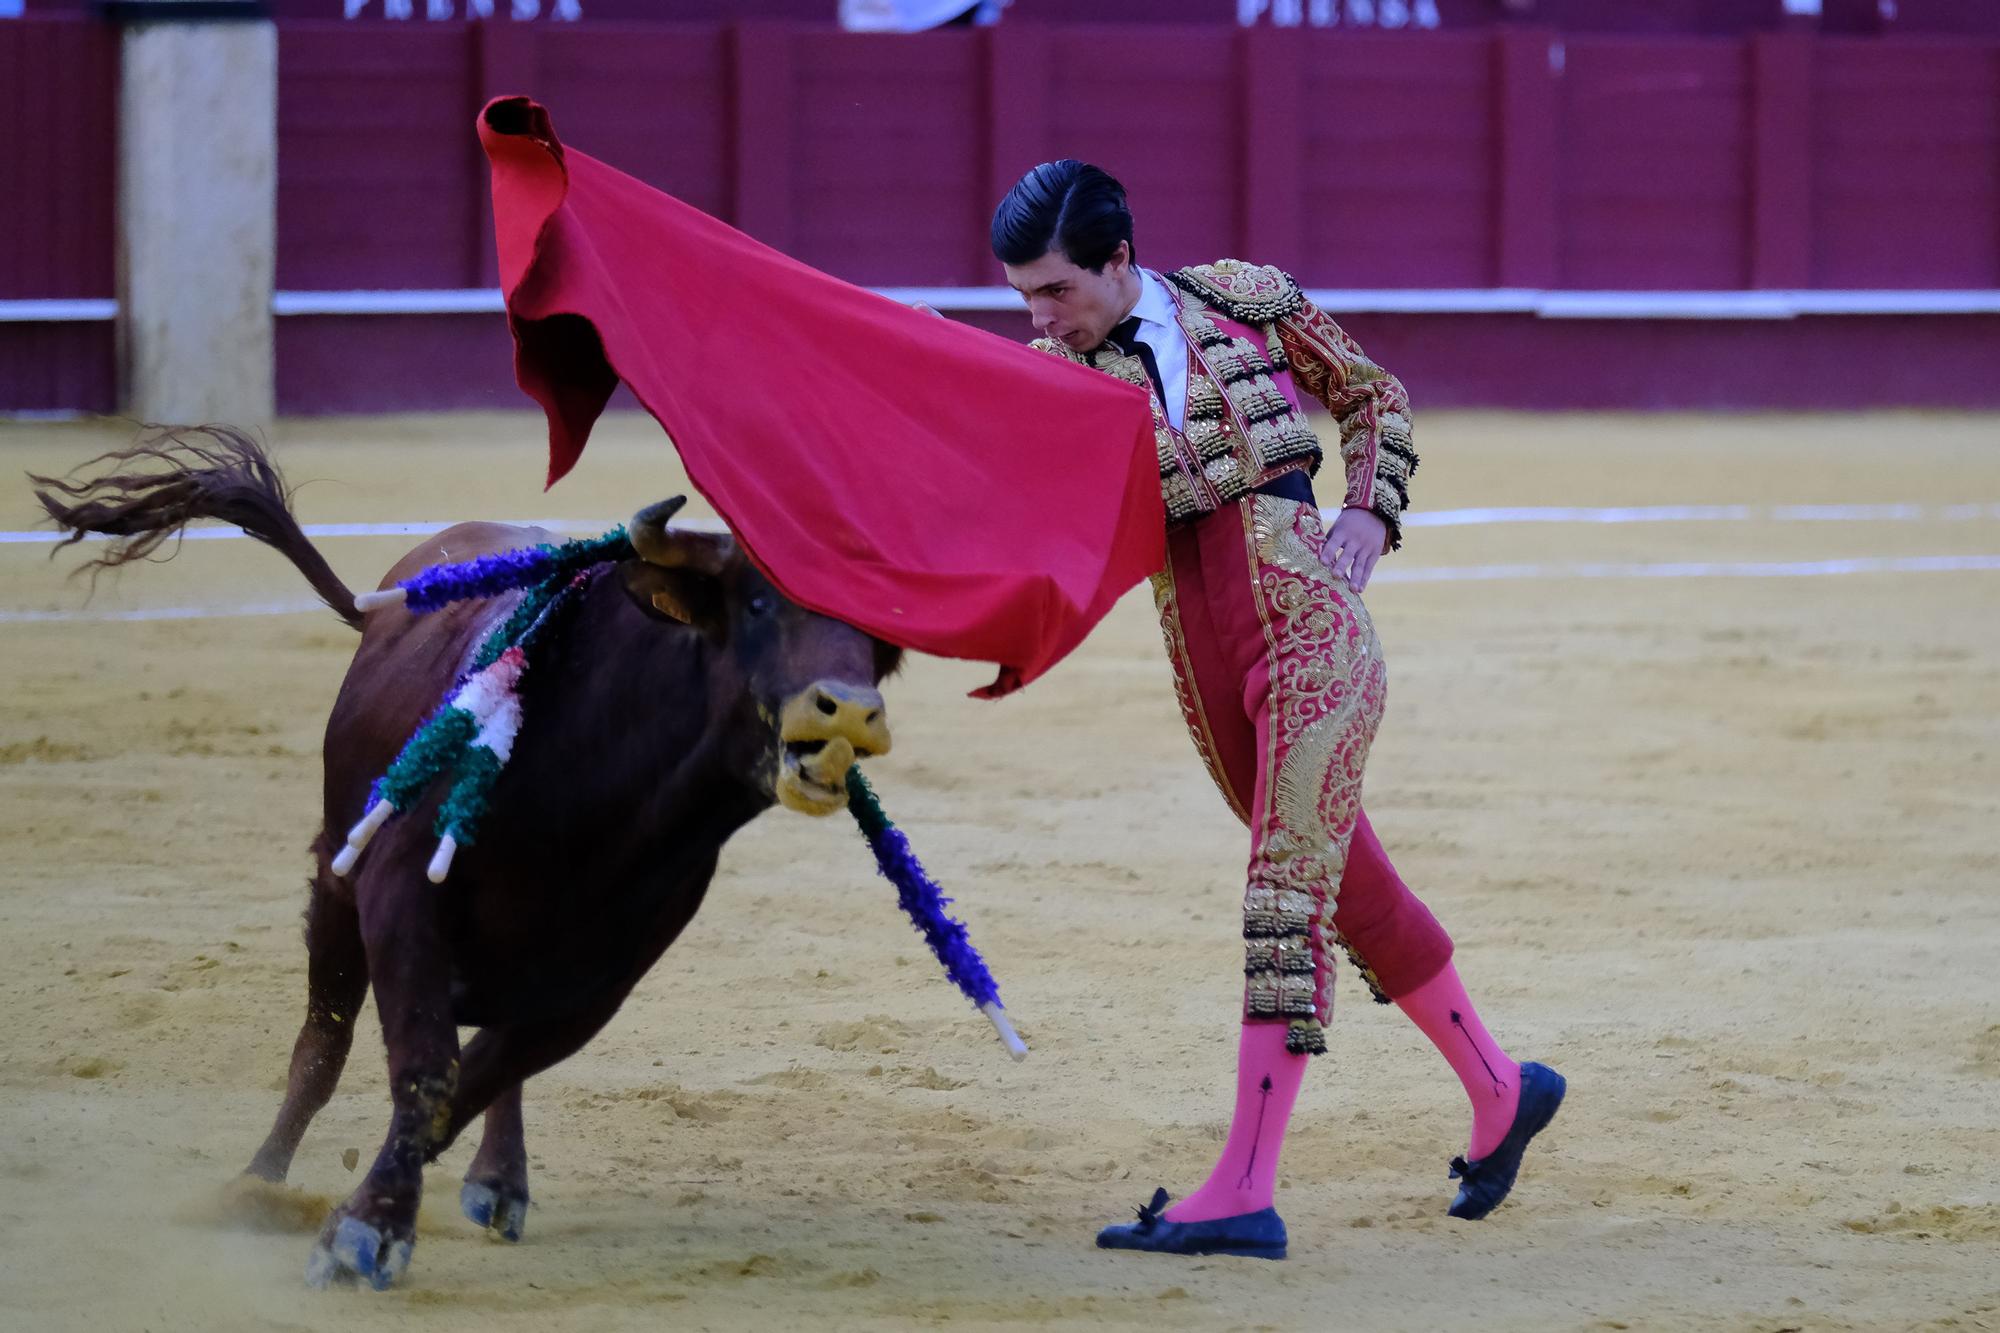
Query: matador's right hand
1355,542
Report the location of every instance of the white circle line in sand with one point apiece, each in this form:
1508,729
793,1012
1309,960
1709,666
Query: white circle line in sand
1443,518
296,606
1677,569
1693,569
225,533
1804,513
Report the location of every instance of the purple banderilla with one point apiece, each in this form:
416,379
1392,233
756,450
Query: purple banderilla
925,902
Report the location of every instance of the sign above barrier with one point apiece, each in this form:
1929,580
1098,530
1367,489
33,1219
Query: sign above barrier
444,11
1656,17
1353,15
1392,15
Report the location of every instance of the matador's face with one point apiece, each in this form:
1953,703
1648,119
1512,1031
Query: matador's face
1073,304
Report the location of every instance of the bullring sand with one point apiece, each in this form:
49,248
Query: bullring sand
1726,850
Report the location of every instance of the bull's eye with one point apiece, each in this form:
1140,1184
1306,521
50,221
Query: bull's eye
760,606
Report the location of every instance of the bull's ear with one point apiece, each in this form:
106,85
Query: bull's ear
686,595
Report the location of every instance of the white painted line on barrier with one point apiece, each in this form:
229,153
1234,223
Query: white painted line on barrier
1678,569
1443,518
1734,303
1725,304
57,311
405,301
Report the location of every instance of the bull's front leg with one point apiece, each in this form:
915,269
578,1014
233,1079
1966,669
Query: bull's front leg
371,1235
495,1193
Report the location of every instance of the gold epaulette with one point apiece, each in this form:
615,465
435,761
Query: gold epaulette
1056,347
1248,293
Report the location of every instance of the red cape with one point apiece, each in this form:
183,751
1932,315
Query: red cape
940,487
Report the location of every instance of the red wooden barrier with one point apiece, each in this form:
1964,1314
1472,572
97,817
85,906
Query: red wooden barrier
652,100
57,158
1507,157
1655,17
1906,164
58,90
1516,158
1781,161
1653,163
377,180
872,158
1395,160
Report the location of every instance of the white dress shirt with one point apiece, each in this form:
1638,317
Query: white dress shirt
1160,327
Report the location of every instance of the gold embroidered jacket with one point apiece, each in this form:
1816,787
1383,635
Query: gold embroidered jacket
1254,341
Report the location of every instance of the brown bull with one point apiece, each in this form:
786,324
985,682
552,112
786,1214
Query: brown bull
683,697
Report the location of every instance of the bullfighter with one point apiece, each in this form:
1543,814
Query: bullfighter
1277,667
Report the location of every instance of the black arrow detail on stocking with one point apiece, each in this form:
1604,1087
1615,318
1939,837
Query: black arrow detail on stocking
1499,1085
1250,1167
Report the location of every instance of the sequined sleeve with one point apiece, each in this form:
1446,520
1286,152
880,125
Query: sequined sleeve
1368,403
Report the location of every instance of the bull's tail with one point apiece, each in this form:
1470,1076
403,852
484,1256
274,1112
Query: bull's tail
153,490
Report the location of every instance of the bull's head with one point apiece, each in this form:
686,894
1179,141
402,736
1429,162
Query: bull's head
810,679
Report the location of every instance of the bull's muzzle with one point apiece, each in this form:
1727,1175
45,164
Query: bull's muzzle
822,730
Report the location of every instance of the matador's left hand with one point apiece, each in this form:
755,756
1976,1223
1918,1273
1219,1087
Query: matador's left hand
1355,542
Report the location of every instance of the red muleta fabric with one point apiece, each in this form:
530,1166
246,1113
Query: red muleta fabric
940,487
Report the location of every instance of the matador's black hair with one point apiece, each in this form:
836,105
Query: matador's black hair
1069,205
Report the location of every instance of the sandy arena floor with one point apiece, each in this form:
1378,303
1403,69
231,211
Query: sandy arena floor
1725,850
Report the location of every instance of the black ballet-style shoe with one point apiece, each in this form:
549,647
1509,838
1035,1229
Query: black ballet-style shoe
1258,1235
1484,1183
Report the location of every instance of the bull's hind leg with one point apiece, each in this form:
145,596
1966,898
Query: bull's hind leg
371,1235
495,1193
336,983
504,1056
497,1062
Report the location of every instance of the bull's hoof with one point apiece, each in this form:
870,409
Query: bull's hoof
502,1211
357,1252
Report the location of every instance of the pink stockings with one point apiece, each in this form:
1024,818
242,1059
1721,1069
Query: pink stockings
1251,618
1267,1084
1492,1081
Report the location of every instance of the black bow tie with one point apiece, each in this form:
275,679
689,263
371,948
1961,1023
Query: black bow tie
1126,334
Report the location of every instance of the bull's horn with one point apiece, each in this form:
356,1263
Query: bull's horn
704,552
648,528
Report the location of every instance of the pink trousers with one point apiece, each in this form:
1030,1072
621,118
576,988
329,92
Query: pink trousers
1281,680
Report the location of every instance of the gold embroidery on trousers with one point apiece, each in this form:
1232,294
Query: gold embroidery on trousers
1327,690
